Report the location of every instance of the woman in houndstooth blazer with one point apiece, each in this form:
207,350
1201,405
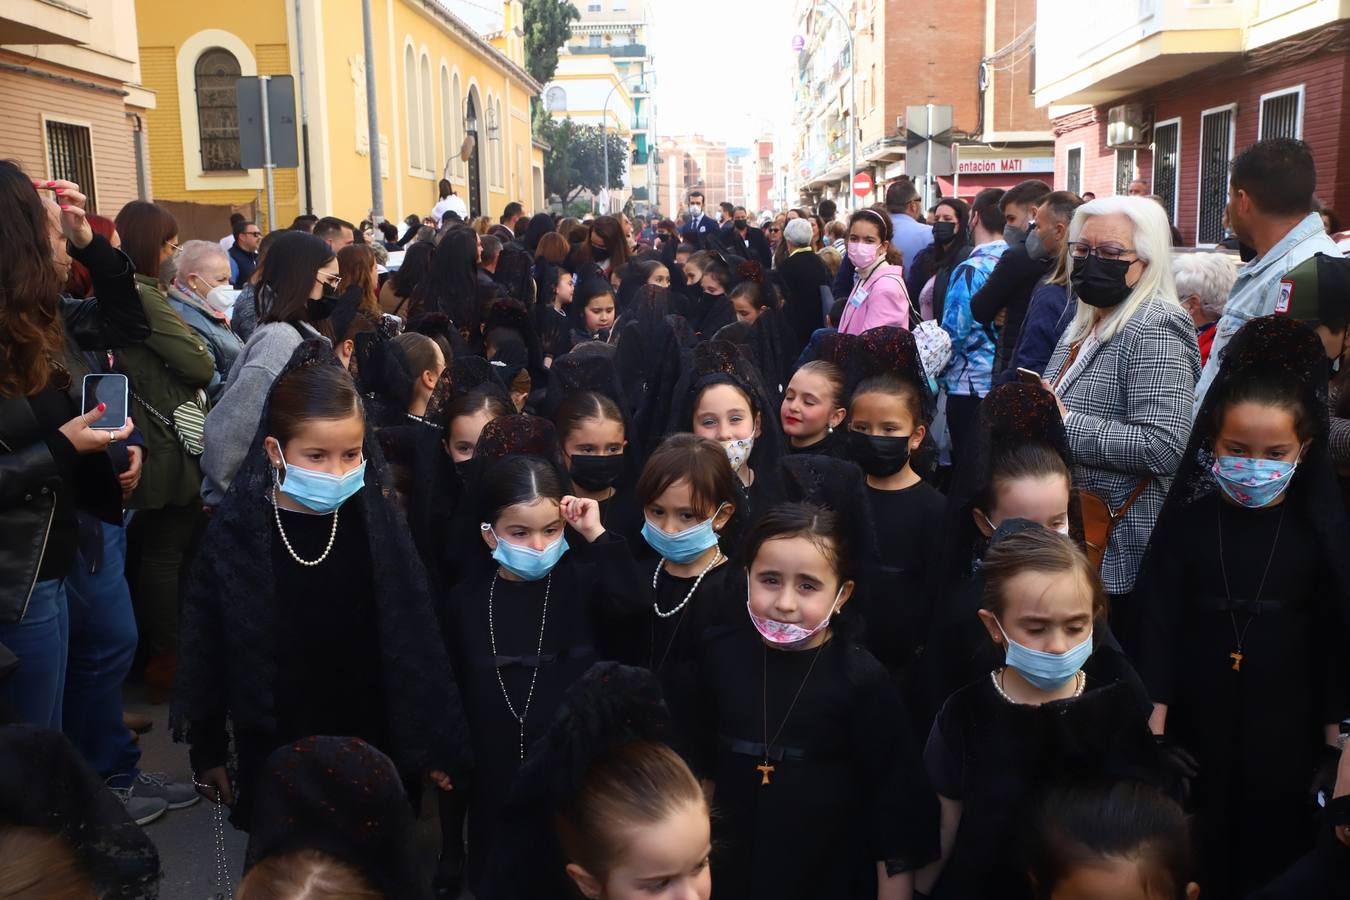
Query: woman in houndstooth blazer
1125,376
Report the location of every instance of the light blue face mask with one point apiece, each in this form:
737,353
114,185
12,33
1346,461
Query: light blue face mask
319,491
1046,671
682,546
526,563
1252,482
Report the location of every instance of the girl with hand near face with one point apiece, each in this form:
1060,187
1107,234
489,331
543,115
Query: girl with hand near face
593,441
521,632
296,622
1246,604
1031,722
803,734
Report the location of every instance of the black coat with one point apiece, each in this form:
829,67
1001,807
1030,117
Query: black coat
800,278
703,232
34,465
1009,287
759,245
246,264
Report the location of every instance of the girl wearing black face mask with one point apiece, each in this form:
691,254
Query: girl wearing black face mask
592,436
926,278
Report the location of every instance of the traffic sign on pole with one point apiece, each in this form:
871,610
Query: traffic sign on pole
925,139
862,184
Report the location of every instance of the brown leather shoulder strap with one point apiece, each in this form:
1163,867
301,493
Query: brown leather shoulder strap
1068,363
1129,501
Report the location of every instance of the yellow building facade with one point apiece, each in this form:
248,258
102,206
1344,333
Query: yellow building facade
438,82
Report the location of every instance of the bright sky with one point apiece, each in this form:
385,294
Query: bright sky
724,67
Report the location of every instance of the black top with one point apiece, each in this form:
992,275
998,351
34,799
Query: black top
1257,730
52,409
832,444
590,587
846,789
328,675
908,525
704,312
996,757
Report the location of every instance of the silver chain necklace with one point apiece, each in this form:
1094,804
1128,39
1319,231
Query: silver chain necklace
222,880
717,557
332,536
538,658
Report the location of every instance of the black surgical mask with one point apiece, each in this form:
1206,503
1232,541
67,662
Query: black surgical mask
741,224
595,473
318,310
1100,282
943,232
878,456
599,254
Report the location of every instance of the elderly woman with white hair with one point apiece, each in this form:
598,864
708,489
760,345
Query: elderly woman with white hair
202,295
1124,375
1204,281
805,282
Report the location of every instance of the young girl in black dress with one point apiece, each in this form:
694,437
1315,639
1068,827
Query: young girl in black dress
1247,605
814,407
606,809
523,631
888,422
308,612
816,776
998,742
688,497
591,435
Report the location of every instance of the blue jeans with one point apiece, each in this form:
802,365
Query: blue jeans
102,644
40,642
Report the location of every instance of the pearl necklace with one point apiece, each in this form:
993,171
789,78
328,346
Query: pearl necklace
538,659
717,557
998,685
332,536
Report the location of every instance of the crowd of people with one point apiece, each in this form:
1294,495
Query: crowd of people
988,550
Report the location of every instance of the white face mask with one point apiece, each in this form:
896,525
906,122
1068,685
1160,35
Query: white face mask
222,298
695,209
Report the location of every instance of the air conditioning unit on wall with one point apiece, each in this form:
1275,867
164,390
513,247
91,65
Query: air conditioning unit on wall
1129,127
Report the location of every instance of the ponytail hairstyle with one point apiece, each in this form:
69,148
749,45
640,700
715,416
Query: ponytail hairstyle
878,217
1077,824
305,875
307,394
634,784
518,479
1036,549
584,406
822,527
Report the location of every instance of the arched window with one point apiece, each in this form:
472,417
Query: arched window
218,110
457,121
414,114
447,131
555,99
501,141
428,117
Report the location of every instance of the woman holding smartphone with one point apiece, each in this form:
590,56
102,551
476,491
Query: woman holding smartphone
52,463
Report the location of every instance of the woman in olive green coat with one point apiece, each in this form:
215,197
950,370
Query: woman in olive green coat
169,374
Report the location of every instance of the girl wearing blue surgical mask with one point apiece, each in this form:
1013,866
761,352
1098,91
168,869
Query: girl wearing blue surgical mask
1247,603
296,622
688,497
1035,718
523,631
815,774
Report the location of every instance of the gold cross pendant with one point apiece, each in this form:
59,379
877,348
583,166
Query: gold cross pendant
764,769
1236,657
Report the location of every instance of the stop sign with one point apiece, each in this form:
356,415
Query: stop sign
862,184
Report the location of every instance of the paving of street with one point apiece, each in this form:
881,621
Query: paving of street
185,837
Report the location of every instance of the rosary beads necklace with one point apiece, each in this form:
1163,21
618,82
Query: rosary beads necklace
538,658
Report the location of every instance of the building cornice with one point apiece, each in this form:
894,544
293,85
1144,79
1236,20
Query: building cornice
461,29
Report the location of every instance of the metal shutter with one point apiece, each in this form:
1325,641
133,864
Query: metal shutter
1074,181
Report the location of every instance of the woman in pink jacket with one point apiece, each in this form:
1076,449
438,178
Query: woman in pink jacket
879,296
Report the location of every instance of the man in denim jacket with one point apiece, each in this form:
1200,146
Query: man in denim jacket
1270,203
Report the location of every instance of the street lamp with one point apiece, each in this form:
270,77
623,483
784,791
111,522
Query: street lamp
604,118
852,105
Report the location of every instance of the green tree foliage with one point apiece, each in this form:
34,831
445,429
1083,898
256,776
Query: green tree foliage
575,160
547,27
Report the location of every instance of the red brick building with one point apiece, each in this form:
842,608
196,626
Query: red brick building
1199,107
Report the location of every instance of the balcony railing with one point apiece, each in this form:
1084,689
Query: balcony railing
641,122
612,50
